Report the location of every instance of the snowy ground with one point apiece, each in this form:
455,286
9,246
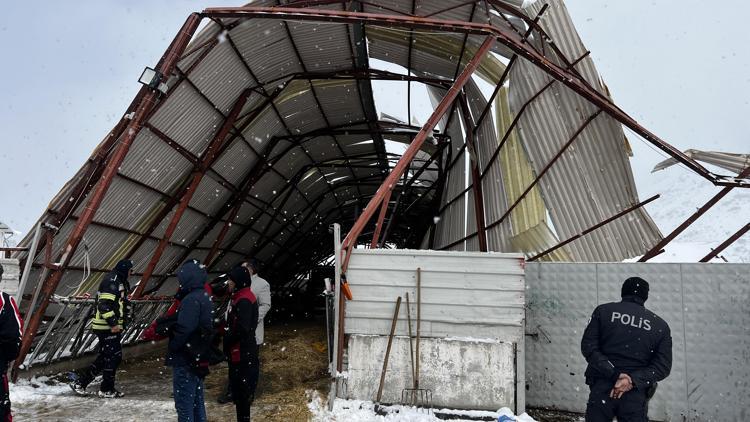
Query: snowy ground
366,411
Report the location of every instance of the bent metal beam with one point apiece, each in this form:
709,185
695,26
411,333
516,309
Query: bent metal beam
411,152
206,161
512,40
147,103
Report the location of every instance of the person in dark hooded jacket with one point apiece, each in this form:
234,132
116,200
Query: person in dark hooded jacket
239,342
190,342
110,318
628,350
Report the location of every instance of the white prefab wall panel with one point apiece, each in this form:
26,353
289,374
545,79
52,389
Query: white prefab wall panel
472,325
464,294
462,374
707,307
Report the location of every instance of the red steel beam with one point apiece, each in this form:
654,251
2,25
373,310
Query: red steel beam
702,210
592,228
206,161
476,178
411,151
381,218
719,249
149,100
512,40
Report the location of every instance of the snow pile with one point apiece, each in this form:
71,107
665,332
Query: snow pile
367,411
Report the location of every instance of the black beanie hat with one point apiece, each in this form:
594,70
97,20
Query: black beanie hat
240,276
635,286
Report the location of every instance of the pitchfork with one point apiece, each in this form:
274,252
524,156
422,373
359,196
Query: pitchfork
415,396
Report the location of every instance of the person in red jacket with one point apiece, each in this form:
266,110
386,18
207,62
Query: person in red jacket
239,341
11,328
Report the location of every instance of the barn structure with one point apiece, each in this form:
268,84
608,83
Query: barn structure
258,129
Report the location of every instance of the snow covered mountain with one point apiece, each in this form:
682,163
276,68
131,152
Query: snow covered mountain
682,193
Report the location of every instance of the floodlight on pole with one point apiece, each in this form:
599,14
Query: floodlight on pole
152,78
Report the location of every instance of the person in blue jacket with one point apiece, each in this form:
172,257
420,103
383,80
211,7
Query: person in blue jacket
190,343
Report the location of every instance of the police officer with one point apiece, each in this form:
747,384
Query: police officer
628,349
11,326
112,308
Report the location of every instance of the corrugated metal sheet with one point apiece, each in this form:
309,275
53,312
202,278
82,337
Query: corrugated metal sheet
593,179
260,52
705,306
480,292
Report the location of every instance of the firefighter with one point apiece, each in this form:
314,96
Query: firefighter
628,349
11,327
112,308
240,345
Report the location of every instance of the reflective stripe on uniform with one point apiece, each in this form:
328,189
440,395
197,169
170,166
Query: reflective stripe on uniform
107,296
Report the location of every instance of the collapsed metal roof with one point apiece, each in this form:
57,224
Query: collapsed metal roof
269,132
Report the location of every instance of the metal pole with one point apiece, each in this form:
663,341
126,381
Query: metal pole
411,151
726,243
702,210
206,161
338,325
381,218
388,350
172,55
29,264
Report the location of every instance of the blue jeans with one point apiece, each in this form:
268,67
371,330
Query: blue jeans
188,395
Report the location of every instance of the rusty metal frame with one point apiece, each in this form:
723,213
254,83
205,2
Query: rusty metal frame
146,105
411,152
512,40
725,244
207,159
659,247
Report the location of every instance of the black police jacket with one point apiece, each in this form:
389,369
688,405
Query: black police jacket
625,337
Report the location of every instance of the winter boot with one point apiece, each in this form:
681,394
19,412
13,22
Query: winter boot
78,388
111,394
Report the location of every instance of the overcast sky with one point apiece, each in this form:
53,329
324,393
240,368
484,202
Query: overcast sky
70,69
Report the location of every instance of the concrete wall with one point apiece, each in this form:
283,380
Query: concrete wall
706,305
462,374
11,276
464,294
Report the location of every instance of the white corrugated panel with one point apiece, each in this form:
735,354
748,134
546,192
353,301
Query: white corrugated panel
493,186
462,294
154,163
592,181
188,119
210,196
323,47
222,76
266,48
236,161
